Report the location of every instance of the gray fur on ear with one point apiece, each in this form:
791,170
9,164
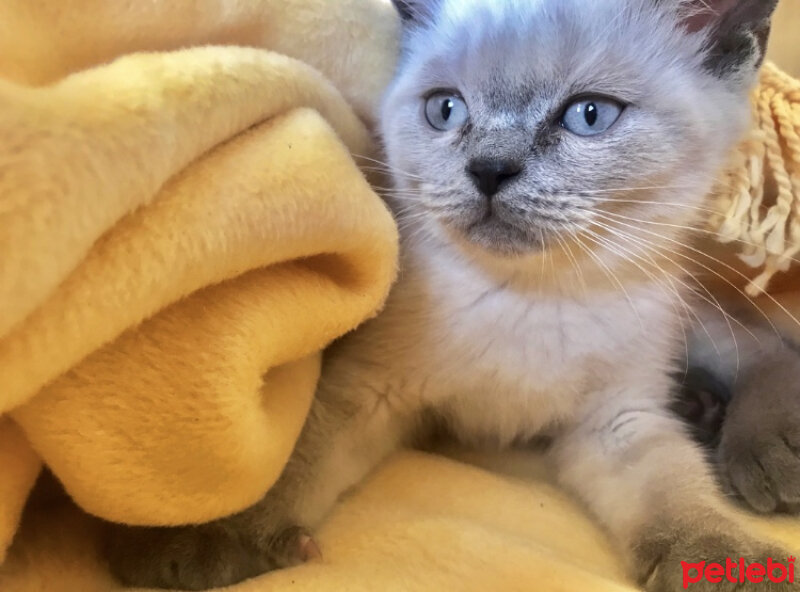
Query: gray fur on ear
416,11
739,30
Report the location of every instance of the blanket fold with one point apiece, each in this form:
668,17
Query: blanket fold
166,289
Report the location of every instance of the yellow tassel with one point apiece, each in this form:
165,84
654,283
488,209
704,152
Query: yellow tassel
767,226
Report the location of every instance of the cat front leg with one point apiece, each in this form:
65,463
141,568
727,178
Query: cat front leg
759,452
641,475
759,440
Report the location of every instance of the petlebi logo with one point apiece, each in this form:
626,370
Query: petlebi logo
738,571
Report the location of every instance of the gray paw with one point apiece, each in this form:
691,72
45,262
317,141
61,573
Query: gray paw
759,454
200,557
710,563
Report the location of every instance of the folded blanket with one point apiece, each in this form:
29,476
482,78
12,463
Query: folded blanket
181,233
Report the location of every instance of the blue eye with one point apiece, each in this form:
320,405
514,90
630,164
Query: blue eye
591,116
446,111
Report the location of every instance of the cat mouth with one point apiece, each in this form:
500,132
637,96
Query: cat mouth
504,231
500,236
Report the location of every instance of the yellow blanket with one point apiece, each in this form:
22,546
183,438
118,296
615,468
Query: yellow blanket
181,232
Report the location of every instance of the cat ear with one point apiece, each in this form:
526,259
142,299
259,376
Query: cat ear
738,31
416,11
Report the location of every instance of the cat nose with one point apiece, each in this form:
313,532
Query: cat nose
489,175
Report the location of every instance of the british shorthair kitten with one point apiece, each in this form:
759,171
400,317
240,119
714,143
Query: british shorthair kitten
548,157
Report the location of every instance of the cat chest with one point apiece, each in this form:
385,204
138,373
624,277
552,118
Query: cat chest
505,345
499,361
525,365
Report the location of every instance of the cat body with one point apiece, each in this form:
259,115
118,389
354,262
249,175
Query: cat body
544,358
540,292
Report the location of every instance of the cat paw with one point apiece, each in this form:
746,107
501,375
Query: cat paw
711,563
759,458
200,557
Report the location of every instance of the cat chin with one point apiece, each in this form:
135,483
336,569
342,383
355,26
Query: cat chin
499,239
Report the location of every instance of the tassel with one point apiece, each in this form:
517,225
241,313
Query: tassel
768,226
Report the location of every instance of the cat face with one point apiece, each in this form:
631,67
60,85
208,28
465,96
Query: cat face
516,123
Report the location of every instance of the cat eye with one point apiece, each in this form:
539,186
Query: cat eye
591,116
446,111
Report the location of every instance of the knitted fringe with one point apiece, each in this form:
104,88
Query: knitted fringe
767,224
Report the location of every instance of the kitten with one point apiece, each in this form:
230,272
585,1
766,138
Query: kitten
546,155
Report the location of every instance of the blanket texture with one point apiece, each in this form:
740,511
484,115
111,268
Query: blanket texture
182,234
182,230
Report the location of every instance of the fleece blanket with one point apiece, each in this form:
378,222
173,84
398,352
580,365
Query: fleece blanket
182,233
182,230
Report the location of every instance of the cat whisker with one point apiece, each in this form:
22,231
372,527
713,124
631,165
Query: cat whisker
417,233
660,203
553,271
543,251
632,189
576,267
713,271
703,231
406,220
644,244
407,199
614,279
629,256
381,163
410,190
384,167
709,297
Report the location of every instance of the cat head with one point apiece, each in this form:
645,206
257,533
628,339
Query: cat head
516,124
